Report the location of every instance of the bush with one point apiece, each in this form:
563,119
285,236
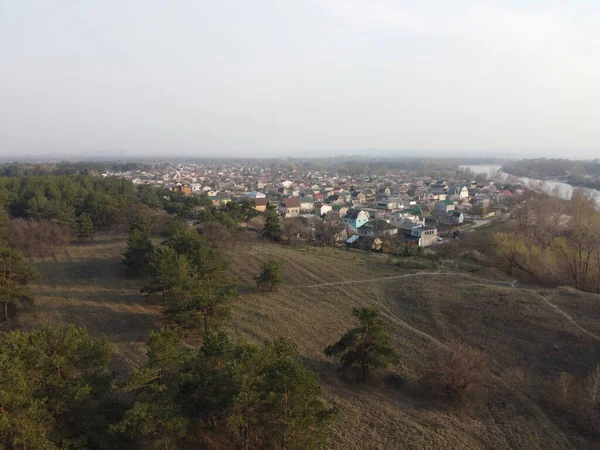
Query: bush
38,238
457,372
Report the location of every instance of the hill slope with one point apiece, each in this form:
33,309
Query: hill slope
86,285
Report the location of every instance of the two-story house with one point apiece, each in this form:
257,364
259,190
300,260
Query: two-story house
355,218
290,207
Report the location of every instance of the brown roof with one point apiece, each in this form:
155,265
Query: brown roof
291,202
260,201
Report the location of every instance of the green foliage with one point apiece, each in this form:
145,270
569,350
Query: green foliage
51,380
168,270
199,291
200,302
368,345
225,395
148,195
65,197
14,277
85,226
272,228
271,275
139,250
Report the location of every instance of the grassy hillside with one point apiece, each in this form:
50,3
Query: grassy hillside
86,285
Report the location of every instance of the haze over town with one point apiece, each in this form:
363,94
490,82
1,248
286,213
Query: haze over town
310,78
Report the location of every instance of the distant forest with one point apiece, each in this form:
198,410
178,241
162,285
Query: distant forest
576,173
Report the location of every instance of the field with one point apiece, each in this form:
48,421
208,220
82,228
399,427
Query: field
423,309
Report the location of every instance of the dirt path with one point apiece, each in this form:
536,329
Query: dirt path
511,284
371,280
569,318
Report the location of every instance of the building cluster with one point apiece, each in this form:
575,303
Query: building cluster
400,206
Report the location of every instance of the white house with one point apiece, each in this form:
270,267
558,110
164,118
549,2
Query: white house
255,194
405,220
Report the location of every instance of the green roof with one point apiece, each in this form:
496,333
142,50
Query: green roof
447,202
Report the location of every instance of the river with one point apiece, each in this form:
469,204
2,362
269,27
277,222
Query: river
565,190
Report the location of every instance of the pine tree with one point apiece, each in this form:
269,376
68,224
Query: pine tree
272,228
85,226
270,276
368,345
51,382
279,404
168,270
139,249
14,276
198,303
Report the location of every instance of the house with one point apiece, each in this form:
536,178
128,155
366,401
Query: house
377,228
425,236
186,190
287,183
481,200
321,209
290,207
355,218
453,218
306,204
405,220
357,197
260,203
443,207
224,198
255,194
437,188
458,191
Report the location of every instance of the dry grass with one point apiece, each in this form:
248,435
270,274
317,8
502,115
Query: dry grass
87,285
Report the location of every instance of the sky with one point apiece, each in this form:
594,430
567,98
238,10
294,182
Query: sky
269,78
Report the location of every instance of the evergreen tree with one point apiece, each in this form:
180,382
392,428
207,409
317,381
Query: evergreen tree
270,276
3,224
225,393
168,270
51,382
85,226
279,405
196,302
14,277
139,249
272,228
154,419
368,345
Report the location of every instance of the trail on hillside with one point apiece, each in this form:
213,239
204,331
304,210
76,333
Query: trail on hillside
371,280
569,318
511,284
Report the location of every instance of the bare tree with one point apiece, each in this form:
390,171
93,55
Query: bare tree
592,387
566,383
456,371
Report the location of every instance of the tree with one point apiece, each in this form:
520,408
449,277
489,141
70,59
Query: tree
14,276
52,381
168,270
456,371
138,253
272,228
368,345
85,226
271,275
196,302
154,418
279,403
592,387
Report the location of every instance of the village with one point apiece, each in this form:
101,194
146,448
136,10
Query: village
398,210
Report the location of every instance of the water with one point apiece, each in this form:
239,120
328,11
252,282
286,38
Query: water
564,190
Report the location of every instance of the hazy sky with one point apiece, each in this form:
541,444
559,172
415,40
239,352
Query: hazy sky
262,77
